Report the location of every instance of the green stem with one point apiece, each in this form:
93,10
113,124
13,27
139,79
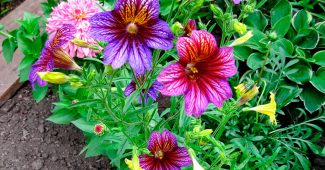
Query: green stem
6,34
259,100
221,127
263,66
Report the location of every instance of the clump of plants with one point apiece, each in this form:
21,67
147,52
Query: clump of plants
243,80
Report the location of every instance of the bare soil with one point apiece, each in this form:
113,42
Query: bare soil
30,142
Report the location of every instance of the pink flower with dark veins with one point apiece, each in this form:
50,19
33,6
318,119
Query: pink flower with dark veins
76,13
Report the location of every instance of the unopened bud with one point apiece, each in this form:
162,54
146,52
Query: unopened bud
177,28
216,10
76,84
242,39
249,8
100,129
54,77
239,27
249,95
205,132
84,44
109,69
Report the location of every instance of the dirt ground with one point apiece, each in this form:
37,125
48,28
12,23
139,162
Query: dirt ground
30,142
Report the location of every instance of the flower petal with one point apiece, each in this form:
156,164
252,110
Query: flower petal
174,80
221,65
62,60
116,53
216,90
105,26
158,35
62,36
129,89
137,11
195,100
166,141
180,157
187,50
206,44
43,64
190,26
140,57
147,162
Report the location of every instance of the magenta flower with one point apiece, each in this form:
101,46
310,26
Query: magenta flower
165,153
131,29
76,13
237,1
53,56
152,92
190,26
200,74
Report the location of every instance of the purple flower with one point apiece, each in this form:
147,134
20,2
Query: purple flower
131,29
165,153
236,1
53,56
152,92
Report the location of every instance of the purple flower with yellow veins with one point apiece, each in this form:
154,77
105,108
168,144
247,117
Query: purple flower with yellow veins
165,153
152,92
131,29
53,56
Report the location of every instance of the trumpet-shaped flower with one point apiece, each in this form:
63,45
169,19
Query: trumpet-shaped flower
166,154
76,13
200,74
152,92
131,29
267,109
53,56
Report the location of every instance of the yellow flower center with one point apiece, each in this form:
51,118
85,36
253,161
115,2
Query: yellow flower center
192,71
132,28
159,155
79,14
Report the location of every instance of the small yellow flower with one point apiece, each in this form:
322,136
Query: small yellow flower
242,39
267,109
129,163
54,77
240,89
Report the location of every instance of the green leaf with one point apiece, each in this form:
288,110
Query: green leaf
39,93
285,94
30,23
255,61
281,9
319,58
26,62
63,117
84,125
8,49
256,20
300,72
318,79
303,161
282,26
312,98
301,20
320,27
242,53
307,38
285,44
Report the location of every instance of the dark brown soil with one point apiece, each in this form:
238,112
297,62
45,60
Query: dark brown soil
8,6
30,142
318,162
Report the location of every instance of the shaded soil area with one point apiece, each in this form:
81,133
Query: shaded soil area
28,141
318,162
8,5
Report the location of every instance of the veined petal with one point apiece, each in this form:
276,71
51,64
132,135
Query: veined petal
62,60
147,162
216,90
180,157
221,65
43,64
206,44
158,35
129,89
187,50
140,57
190,26
195,100
174,80
62,36
117,52
165,141
105,26
137,11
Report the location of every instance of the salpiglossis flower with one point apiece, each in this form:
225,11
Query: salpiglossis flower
190,26
152,92
166,154
131,29
201,73
53,56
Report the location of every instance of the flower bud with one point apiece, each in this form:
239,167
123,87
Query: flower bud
273,35
177,28
76,84
239,27
216,10
242,39
109,69
54,77
100,129
74,101
81,43
249,8
249,95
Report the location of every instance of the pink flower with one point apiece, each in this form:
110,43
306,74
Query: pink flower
77,13
200,74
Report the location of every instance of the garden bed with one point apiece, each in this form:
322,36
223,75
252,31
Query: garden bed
28,141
